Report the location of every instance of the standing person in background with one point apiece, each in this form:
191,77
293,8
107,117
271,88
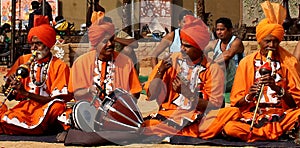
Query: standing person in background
277,92
171,40
36,11
94,7
296,52
228,50
47,10
5,28
126,44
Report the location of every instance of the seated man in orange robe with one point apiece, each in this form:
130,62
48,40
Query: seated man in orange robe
98,73
280,98
189,89
43,93
102,67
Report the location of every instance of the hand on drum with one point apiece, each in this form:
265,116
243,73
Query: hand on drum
92,90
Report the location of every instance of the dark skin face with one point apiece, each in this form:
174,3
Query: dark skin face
190,52
269,42
223,33
42,50
106,48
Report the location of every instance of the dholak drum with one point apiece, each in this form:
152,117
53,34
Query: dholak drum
118,111
83,116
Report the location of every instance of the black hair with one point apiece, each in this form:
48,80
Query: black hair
184,13
226,21
5,25
59,18
35,4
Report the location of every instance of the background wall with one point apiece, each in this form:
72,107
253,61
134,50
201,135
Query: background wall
75,10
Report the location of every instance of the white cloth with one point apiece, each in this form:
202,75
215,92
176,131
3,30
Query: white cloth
176,44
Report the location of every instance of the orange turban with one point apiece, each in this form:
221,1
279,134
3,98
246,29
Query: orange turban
272,24
98,30
195,32
43,31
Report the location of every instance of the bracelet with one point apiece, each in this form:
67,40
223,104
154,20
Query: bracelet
281,93
245,98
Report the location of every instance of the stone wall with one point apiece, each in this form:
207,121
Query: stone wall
143,52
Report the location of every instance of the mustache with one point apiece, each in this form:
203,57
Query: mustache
110,47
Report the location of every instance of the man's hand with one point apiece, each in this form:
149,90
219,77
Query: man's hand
166,63
181,87
268,80
18,87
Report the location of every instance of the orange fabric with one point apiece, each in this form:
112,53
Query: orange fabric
125,77
242,83
58,75
264,28
96,15
40,19
245,76
98,30
45,33
195,32
275,14
209,126
270,131
30,117
211,86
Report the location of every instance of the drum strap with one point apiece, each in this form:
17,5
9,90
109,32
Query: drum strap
173,124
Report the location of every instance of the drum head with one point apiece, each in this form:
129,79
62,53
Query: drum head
84,115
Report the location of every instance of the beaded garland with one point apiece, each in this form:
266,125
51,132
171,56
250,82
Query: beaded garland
45,66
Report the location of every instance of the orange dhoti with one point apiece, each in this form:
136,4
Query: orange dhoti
269,131
29,117
207,127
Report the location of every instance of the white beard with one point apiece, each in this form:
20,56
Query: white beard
42,54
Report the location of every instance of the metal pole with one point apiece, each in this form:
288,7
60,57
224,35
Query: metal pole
195,8
132,18
13,33
43,8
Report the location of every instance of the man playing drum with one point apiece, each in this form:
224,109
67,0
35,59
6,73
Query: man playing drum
189,89
102,69
42,94
100,72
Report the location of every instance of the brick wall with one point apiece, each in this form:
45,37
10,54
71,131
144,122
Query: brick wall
143,52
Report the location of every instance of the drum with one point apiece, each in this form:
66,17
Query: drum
118,111
83,116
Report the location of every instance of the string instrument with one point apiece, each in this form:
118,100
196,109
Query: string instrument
22,72
264,69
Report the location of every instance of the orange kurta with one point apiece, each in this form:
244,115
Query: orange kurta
123,76
285,67
30,117
178,109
